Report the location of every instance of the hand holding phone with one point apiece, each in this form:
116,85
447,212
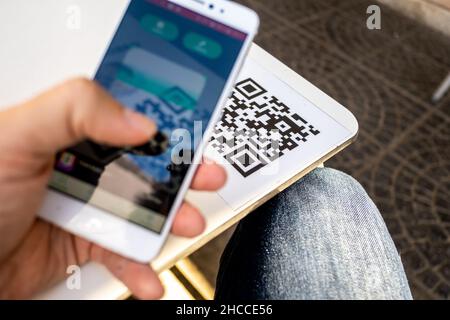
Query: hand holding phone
34,254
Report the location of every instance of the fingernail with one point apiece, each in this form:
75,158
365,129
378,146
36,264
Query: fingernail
140,122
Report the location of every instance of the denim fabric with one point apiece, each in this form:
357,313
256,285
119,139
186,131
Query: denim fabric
322,238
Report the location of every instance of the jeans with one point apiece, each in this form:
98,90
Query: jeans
322,238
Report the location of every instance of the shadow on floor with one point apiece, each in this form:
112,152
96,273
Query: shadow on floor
386,78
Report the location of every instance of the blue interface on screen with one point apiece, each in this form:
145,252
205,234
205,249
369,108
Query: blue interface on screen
170,64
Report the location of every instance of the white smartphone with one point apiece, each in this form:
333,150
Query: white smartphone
176,62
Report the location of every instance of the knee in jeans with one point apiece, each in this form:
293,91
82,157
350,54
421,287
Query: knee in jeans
335,181
332,192
330,183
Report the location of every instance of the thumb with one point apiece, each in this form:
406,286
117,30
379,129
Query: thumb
76,110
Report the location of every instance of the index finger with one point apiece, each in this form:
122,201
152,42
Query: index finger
209,177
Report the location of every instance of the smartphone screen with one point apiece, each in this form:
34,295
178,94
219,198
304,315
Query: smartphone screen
172,65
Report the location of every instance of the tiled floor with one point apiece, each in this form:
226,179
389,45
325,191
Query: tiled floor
386,78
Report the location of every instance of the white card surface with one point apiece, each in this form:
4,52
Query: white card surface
268,134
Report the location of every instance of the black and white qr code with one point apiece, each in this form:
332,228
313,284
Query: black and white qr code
256,128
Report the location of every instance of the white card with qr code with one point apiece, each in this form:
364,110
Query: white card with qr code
268,133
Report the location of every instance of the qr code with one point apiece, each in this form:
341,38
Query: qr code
256,128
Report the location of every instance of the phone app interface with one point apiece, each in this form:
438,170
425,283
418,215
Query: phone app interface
168,63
